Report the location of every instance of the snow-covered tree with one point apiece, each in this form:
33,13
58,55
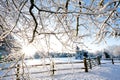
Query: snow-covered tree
35,21
114,50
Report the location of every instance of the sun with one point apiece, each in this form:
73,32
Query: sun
29,50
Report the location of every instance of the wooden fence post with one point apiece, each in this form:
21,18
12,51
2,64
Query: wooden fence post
18,72
112,61
52,68
85,65
98,59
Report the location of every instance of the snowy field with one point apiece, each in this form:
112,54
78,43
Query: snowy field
106,71
103,72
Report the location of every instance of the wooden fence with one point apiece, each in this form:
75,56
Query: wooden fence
52,69
111,60
88,63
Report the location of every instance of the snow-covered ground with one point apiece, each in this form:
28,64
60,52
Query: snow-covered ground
106,71
102,72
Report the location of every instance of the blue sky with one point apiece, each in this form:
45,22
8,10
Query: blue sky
102,45
113,41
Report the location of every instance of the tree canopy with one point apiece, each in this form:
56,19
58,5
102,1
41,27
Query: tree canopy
34,21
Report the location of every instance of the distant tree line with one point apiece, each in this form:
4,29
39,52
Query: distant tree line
61,54
53,55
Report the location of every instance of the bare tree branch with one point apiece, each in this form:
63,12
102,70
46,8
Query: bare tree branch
32,14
